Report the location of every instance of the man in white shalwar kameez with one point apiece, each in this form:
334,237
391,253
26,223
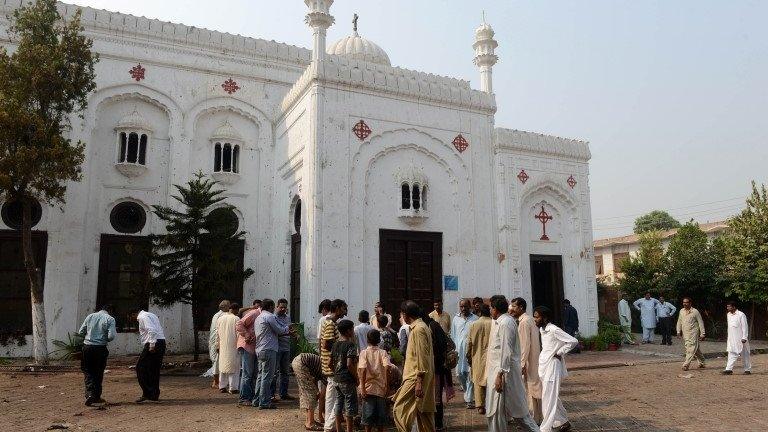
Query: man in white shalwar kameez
555,344
647,308
625,319
459,333
738,340
505,392
213,352
229,359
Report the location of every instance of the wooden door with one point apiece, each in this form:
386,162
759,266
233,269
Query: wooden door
295,301
124,264
410,268
15,297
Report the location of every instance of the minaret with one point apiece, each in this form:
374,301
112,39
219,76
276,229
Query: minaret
484,56
319,18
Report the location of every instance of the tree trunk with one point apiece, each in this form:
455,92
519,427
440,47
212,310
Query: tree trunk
752,322
195,318
39,338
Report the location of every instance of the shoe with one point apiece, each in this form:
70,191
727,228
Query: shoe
222,390
747,373
726,372
702,366
470,406
481,410
270,407
89,402
244,403
564,427
685,368
100,401
287,398
234,392
141,400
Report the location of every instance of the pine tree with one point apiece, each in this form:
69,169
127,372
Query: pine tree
47,78
188,261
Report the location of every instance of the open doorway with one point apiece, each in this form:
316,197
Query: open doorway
547,284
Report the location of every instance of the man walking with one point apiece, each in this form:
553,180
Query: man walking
530,348
664,312
362,329
505,394
97,330
477,349
691,327
213,351
555,344
738,339
246,346
151,358
268,330
625,319
443,318
459,333
328,336
415,399
647,308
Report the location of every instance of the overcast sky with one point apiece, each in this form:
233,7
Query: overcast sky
671,95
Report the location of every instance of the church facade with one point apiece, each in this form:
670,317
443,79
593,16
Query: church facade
352,178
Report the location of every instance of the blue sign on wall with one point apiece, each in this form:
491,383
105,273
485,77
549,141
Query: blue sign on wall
451,283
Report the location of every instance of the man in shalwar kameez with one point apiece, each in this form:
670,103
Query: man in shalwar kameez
415,399
477,350
213,352
647,307
738,339
555,344
625,319
691,327
505,392
530,347
460,333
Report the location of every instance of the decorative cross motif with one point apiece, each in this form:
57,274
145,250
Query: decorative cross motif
460,143
523,176
137,72
571,182
230,86
543,217
361,130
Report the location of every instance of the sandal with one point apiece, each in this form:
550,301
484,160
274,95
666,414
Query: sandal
313,428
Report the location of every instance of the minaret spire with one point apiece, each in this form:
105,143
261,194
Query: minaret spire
319,18
354,23
485,57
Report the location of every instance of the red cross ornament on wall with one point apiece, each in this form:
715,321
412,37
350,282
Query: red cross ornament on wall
230,86
523,176
361,130
571,182
460,143
137,72
543,217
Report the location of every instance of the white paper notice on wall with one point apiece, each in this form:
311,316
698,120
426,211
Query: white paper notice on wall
450,283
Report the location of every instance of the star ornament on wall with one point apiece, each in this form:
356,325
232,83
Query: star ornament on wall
361,130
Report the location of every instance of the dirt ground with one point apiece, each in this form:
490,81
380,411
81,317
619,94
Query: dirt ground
651,397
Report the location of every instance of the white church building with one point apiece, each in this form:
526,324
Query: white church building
353,179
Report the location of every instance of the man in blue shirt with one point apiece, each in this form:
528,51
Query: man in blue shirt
664,313
283,351
267,330
97,330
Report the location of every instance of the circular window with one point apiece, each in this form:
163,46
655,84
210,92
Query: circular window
223,220
12,213
128,218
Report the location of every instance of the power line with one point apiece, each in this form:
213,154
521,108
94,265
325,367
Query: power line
728,209
675,208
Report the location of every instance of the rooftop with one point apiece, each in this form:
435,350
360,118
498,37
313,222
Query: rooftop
708,228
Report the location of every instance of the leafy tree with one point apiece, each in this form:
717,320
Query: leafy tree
746,251
44,81
189,263
645,272
657,220
694,265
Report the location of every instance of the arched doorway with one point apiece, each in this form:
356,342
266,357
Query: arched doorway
295,299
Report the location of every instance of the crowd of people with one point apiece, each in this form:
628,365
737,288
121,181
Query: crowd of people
690,327
508,363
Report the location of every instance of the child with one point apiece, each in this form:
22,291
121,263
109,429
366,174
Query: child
344,361
372,369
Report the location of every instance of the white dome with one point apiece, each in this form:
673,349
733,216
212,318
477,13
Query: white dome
359,48
134,120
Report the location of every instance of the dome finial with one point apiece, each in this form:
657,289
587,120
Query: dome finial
354,23
483,16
